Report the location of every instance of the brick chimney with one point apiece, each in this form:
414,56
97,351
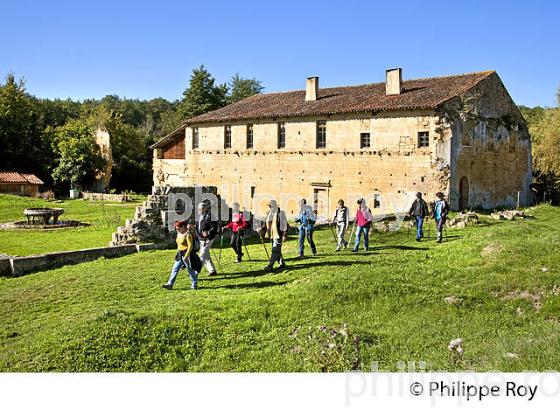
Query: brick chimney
311,88
393,82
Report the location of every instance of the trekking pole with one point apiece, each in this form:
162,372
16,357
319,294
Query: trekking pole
245,246
221,245
218,260
352,232
264,246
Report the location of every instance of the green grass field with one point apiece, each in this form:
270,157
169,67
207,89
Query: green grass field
336,312
102,218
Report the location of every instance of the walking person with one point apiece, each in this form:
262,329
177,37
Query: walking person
341,219
276,229
186,256
306,219
238,224
419,210
207,230
441,209
363,220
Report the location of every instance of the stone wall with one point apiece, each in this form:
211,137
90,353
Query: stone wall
393,166
17,266
96,196
491,148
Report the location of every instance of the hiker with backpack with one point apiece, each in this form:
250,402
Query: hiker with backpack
238,224
306,219
441,209
341,219
363,220
206,230
419,210
186,256
276,229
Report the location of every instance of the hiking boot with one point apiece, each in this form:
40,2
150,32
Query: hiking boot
300,256
438,241
194,286
366,249
282,266
214,273
417,239
315,254
268,268
345,245
238,259
167,286
355,250
337,249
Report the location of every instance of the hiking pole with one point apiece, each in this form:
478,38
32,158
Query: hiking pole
264,246
221,245
352,232
218,260
245,246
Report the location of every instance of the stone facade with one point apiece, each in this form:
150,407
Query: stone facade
494,164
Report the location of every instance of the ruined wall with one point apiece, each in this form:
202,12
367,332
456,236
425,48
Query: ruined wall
490,148
393,166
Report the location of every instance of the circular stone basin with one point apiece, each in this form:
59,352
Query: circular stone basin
42,215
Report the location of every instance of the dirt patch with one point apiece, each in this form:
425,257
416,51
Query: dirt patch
491,250
534,298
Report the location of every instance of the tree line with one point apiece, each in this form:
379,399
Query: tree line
54,139
544,128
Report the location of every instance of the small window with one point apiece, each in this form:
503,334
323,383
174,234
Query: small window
281,135
250,136
365,141
321,134
423,139
377,200
195,138
227,136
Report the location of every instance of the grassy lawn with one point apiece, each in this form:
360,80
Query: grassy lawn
103,218
336,312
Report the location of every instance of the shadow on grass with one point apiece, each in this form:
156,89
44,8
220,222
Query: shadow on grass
289,267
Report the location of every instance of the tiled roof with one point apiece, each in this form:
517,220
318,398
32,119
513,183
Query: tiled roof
17,178
427,93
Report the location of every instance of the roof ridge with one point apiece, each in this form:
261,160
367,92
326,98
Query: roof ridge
486,72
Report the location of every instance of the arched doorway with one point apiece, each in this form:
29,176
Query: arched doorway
463,193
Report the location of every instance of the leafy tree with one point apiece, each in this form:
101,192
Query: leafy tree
203,94
78,157
241,88
21,148
544,128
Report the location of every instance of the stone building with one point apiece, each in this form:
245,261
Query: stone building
16,183
460,134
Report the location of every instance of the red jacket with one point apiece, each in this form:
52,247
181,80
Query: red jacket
238,222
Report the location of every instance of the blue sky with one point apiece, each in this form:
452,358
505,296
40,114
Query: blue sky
141,49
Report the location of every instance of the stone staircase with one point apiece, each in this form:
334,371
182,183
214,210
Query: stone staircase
151,218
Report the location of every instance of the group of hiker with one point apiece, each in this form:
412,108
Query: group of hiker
195,239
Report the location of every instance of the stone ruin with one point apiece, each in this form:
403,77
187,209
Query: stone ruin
510,215
463,219
151,218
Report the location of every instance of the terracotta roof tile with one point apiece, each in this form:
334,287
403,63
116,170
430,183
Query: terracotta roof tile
427,93
17,178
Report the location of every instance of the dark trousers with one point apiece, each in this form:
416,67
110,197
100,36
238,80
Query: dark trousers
440,223
236,243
